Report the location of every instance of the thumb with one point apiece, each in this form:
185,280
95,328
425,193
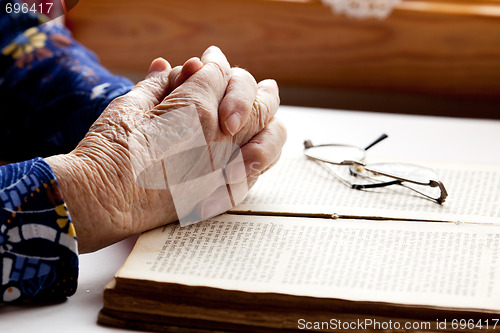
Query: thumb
152,90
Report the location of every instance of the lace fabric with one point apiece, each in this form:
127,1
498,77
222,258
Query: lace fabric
362,9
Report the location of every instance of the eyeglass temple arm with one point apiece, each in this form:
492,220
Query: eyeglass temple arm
433,183
380,138
375,185
309,144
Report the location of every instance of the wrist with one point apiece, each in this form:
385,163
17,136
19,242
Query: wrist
103,200
77,187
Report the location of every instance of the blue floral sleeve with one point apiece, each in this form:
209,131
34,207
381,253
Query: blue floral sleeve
51,91
38,248
52,88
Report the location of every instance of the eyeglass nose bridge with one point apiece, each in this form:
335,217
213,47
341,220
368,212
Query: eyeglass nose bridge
353,163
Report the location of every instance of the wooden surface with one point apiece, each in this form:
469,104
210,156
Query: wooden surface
442,50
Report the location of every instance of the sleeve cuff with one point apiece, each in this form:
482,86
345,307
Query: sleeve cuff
38,247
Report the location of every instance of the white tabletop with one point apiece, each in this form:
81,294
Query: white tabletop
420,137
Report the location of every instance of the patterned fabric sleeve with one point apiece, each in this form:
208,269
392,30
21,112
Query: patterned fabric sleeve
38,247
52,88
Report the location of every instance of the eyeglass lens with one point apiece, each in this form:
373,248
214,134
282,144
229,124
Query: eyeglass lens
404,171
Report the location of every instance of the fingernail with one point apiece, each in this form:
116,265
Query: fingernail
233,123
158,65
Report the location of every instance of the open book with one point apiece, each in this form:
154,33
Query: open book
305,252
298,186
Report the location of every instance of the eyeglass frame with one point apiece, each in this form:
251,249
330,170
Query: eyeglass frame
398,180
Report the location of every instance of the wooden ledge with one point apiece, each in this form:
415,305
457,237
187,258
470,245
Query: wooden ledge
445,49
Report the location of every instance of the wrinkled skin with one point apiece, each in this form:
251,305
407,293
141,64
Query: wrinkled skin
99,178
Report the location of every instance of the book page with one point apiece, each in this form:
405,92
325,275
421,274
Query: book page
298,185
416,263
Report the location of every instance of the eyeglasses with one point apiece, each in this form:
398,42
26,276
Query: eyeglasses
411,176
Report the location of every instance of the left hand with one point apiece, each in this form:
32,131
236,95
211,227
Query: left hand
97,178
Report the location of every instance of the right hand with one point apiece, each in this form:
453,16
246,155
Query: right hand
99,178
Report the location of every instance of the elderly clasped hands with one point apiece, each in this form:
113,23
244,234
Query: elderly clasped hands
173,110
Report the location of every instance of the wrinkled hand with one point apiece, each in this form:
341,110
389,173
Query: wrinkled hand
109,180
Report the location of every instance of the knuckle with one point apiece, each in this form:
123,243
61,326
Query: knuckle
122,102
260,112
269,84
270,87
174,73
242,74
205,110
241,106
218,70
281,129
238,71
258,156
